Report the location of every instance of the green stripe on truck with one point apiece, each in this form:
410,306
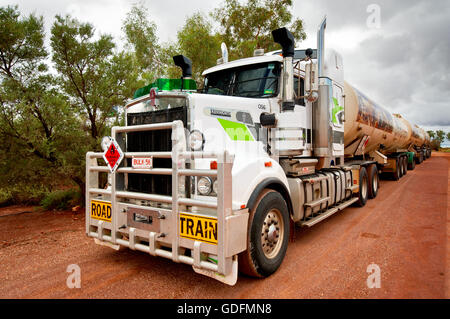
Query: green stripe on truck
236,131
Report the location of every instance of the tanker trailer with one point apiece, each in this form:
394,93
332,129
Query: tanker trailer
427,145
418,143
372,130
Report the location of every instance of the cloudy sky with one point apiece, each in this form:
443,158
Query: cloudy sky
401,60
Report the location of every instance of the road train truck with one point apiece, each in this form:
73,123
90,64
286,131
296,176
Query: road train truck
218,177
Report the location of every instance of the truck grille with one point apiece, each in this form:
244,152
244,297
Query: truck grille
154,141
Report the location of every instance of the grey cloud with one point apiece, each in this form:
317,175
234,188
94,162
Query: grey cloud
404,66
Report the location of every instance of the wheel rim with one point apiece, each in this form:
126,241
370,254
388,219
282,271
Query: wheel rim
364,187
272,234
375,183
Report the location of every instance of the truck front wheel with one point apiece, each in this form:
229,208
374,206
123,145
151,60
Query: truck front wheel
268,236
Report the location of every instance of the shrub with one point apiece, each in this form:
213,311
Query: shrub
6,198
22,195
61,200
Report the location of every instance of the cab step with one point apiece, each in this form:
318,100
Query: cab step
317,219
317,202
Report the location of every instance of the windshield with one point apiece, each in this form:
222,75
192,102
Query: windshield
258,80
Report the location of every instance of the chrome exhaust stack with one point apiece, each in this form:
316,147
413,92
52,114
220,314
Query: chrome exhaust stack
322,129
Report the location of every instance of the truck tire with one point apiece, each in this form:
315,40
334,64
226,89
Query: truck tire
374,181
412,165
419,158
268,236
397,174
363,187
405,165
400,164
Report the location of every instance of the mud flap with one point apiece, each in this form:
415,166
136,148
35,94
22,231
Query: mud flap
106,244
230,280
291,231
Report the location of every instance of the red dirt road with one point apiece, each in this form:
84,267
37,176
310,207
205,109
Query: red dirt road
404,231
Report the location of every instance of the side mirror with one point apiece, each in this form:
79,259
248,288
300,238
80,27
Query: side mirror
311,82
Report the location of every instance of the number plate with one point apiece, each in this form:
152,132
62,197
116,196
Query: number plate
144,219
101,210
198,228
142,162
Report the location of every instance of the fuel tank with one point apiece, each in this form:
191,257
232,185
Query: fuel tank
387,133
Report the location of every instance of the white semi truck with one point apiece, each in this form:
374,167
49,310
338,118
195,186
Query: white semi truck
217,179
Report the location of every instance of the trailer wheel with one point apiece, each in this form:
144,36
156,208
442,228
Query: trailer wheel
405,165
400,164
363,187
412,165
374,181
268,236
419,159
397,174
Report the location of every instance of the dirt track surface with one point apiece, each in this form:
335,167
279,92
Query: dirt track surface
404,231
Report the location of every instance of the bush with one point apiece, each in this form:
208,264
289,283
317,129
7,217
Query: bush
6,198
61,200
22,195
435,145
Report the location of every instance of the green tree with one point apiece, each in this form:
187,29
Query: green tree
448,136
148,56
197,41
431,134
440,136
36,126
246,27
94,78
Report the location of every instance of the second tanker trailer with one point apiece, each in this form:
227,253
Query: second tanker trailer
389,138
216,178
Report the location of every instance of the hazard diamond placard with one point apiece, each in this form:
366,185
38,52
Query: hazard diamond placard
113,156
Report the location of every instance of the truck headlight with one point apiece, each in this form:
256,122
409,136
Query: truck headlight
106,142
204,186
196,140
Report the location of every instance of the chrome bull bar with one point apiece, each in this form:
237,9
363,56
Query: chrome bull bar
231,225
